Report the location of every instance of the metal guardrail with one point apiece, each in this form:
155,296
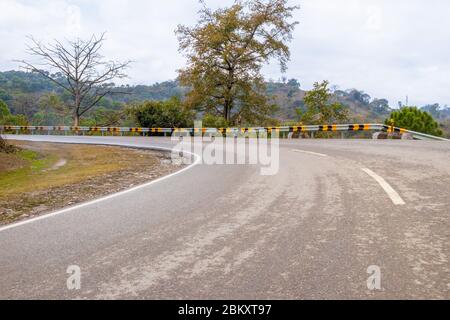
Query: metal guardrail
165,131
419,135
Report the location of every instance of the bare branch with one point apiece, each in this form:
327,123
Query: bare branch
86,74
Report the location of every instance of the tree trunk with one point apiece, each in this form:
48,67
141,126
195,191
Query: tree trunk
76,114
225,111
228,105
76,120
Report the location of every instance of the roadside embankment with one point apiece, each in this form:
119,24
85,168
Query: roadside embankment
42,177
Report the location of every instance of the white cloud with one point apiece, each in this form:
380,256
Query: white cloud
387,48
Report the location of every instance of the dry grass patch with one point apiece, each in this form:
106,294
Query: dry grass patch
46,176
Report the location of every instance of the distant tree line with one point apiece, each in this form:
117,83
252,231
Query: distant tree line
43,104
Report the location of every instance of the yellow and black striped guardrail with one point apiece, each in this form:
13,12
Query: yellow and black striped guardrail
316,128
169,131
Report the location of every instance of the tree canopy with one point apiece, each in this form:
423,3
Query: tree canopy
161,114
414,119
320,109
7,118
226,51
4,110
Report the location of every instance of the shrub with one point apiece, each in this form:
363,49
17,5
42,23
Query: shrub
212,121
6,147
15,120
4,110
7,118
414,119
161,114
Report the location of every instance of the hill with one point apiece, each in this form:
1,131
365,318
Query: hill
289,97
22,91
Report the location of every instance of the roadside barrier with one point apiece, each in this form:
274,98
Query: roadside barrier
170,131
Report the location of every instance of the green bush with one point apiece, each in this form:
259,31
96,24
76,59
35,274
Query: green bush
161,114
45,119
4,110
212,121
414,119
17,120
102,117
6,147
6,118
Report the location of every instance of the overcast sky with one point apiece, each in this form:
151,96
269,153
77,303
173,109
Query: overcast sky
388,48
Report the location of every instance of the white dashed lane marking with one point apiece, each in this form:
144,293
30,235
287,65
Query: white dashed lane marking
310,152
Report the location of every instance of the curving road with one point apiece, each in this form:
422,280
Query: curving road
335,208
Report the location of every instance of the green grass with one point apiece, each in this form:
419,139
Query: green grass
35,165
38,172
28,155
31,182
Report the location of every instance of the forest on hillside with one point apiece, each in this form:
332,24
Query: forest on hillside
42,102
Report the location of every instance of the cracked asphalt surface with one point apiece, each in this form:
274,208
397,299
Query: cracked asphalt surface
227,232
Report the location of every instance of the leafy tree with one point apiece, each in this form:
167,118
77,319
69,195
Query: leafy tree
4,110
320,109
52,102
359,96
24,103
161,114
414,119
433,109
445,125
380,105
6,118
53,111
437,111
226,51
103,117
4,95
15,120
294,87
212,121
79,69
294,83
46,119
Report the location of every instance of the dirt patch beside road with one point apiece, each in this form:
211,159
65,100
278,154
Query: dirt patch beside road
43,177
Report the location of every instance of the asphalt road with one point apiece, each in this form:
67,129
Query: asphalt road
226,231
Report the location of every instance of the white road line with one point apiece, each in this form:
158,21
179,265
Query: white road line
310,152
395,197
118,194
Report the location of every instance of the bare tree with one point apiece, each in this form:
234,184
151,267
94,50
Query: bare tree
79,68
